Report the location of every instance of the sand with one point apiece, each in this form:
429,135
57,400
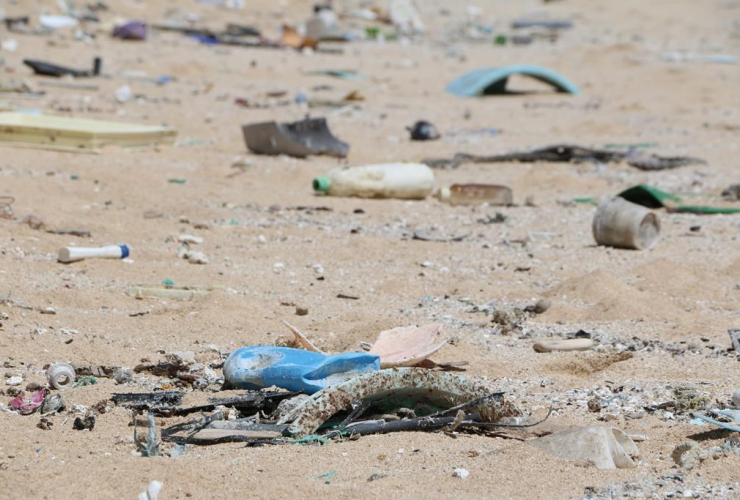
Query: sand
672,304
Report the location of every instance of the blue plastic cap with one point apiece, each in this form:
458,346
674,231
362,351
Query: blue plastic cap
124,251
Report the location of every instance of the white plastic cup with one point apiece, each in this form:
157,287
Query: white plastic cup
623,224
74,254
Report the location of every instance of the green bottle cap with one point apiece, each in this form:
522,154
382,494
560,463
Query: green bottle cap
321,184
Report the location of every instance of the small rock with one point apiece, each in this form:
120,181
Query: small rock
460,473
190,239
122,375
732,445
686,455
301,311
594,405
195,257
732,193
48,310
541,306
736,398
12,381
86,423
45,424
423,131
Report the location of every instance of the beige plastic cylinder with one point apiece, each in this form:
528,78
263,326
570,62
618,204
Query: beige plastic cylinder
413,181
620,223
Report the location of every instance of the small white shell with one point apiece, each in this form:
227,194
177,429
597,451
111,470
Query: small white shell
60,375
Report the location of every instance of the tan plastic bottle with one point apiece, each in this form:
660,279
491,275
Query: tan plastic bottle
411,181
476,194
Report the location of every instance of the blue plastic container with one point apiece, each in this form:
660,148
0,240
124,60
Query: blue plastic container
257,367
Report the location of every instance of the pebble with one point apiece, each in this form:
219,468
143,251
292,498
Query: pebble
189,238
736,398
17,380
301,311
541,306
686,455
48,310
461,473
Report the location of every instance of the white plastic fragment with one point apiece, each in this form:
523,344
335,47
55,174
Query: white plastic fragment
460,473
152,491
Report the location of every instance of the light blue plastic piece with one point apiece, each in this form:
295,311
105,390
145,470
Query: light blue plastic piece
486,81
718,423
294,369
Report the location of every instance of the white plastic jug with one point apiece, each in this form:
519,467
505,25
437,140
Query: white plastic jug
412,181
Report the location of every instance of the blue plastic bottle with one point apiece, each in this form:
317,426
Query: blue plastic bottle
294,369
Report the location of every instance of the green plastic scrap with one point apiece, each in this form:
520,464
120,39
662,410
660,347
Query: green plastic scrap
86,381
327,476
651,197
313,438
634,145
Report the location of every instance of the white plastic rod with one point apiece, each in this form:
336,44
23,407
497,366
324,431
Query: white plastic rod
73,254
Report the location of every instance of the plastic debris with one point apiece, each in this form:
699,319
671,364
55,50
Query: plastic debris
436,389
570,153
299,139
75,254
389,180
152,491
293,369
476,194
460,473
132,30
61,376
77,134
30,405
50,69
606,447
620,223
147,446
490,81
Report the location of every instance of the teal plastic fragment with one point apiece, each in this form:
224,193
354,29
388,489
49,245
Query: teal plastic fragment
487,81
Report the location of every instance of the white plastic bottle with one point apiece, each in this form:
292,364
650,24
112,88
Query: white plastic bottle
411,181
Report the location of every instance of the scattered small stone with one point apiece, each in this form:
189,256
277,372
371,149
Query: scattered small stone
375,477
45,424
460,473
122,375
594,405
686,455
48,310
732,445
84,423
539,307
735,338
195,257
13,381
732,193
736,398
689,399
190,239
301,311
346,296
423,130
